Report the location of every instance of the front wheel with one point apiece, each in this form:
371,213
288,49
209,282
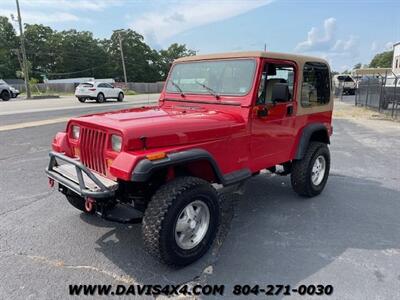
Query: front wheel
101,98
5,96
120,97
181,221
310,174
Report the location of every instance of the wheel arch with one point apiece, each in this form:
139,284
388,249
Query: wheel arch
5,90
316,132
194,162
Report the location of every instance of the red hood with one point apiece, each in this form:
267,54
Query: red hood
167,125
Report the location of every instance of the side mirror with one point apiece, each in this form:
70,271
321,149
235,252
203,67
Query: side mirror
262,112
280,93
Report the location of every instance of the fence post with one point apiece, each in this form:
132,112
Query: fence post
394,95
356,92
383,82
366,98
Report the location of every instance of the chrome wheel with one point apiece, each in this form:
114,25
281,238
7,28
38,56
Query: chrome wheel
318,170
192,225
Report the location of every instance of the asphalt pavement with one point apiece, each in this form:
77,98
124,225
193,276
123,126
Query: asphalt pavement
347,237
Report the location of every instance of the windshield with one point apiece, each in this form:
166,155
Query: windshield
216,77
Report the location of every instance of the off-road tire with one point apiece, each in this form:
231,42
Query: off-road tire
82,99
120,97
162,213
78,202
5,96
101,98
301,170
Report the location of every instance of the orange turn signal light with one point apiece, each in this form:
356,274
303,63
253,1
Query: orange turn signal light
156,156
77,152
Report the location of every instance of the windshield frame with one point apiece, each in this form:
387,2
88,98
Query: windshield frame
207,93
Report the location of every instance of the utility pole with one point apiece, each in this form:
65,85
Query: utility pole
122,58
25,61
265,47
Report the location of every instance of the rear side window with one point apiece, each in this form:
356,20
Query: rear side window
316,87
86,85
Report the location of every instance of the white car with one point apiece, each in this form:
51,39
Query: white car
99,91
346,83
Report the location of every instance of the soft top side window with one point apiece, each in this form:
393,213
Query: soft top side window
316,89
277,83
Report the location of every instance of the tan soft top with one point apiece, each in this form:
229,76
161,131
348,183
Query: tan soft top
276,55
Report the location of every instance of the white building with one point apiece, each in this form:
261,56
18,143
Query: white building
396,58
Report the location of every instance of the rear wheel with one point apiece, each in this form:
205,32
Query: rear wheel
82,99
310,174
181,221
120,97
5,95
101,98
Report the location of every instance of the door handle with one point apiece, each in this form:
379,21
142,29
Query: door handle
289,110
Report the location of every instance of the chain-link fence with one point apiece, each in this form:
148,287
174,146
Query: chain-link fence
379,92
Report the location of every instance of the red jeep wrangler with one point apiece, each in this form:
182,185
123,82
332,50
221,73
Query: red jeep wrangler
221,119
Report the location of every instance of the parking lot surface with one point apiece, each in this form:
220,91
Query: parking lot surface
347,237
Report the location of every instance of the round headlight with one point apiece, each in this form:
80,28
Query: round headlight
75,132
116,143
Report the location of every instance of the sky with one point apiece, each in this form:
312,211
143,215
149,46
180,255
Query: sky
345,32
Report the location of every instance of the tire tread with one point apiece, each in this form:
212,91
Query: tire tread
157,209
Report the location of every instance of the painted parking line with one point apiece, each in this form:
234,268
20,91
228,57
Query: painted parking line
34,123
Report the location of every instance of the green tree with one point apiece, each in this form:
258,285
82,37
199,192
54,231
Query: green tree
9,64
357,66
78,54
71,53
382,60
169,55
140,59
39,44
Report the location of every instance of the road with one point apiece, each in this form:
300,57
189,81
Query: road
347,237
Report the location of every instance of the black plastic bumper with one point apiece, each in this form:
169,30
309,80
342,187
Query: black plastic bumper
78,187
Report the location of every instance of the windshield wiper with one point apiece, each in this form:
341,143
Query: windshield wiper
210,90
178,87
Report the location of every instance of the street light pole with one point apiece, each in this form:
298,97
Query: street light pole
122,58
24,59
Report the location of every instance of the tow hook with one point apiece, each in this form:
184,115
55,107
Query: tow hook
51,182
89,204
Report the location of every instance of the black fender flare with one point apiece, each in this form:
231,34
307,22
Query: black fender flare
306,134
145,168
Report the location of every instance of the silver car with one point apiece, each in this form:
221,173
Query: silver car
7,91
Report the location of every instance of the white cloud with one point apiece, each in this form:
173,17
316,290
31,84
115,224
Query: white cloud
389,46
346,45
374,46
32,17
181,16
81,5
322,42
54,11
319,39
